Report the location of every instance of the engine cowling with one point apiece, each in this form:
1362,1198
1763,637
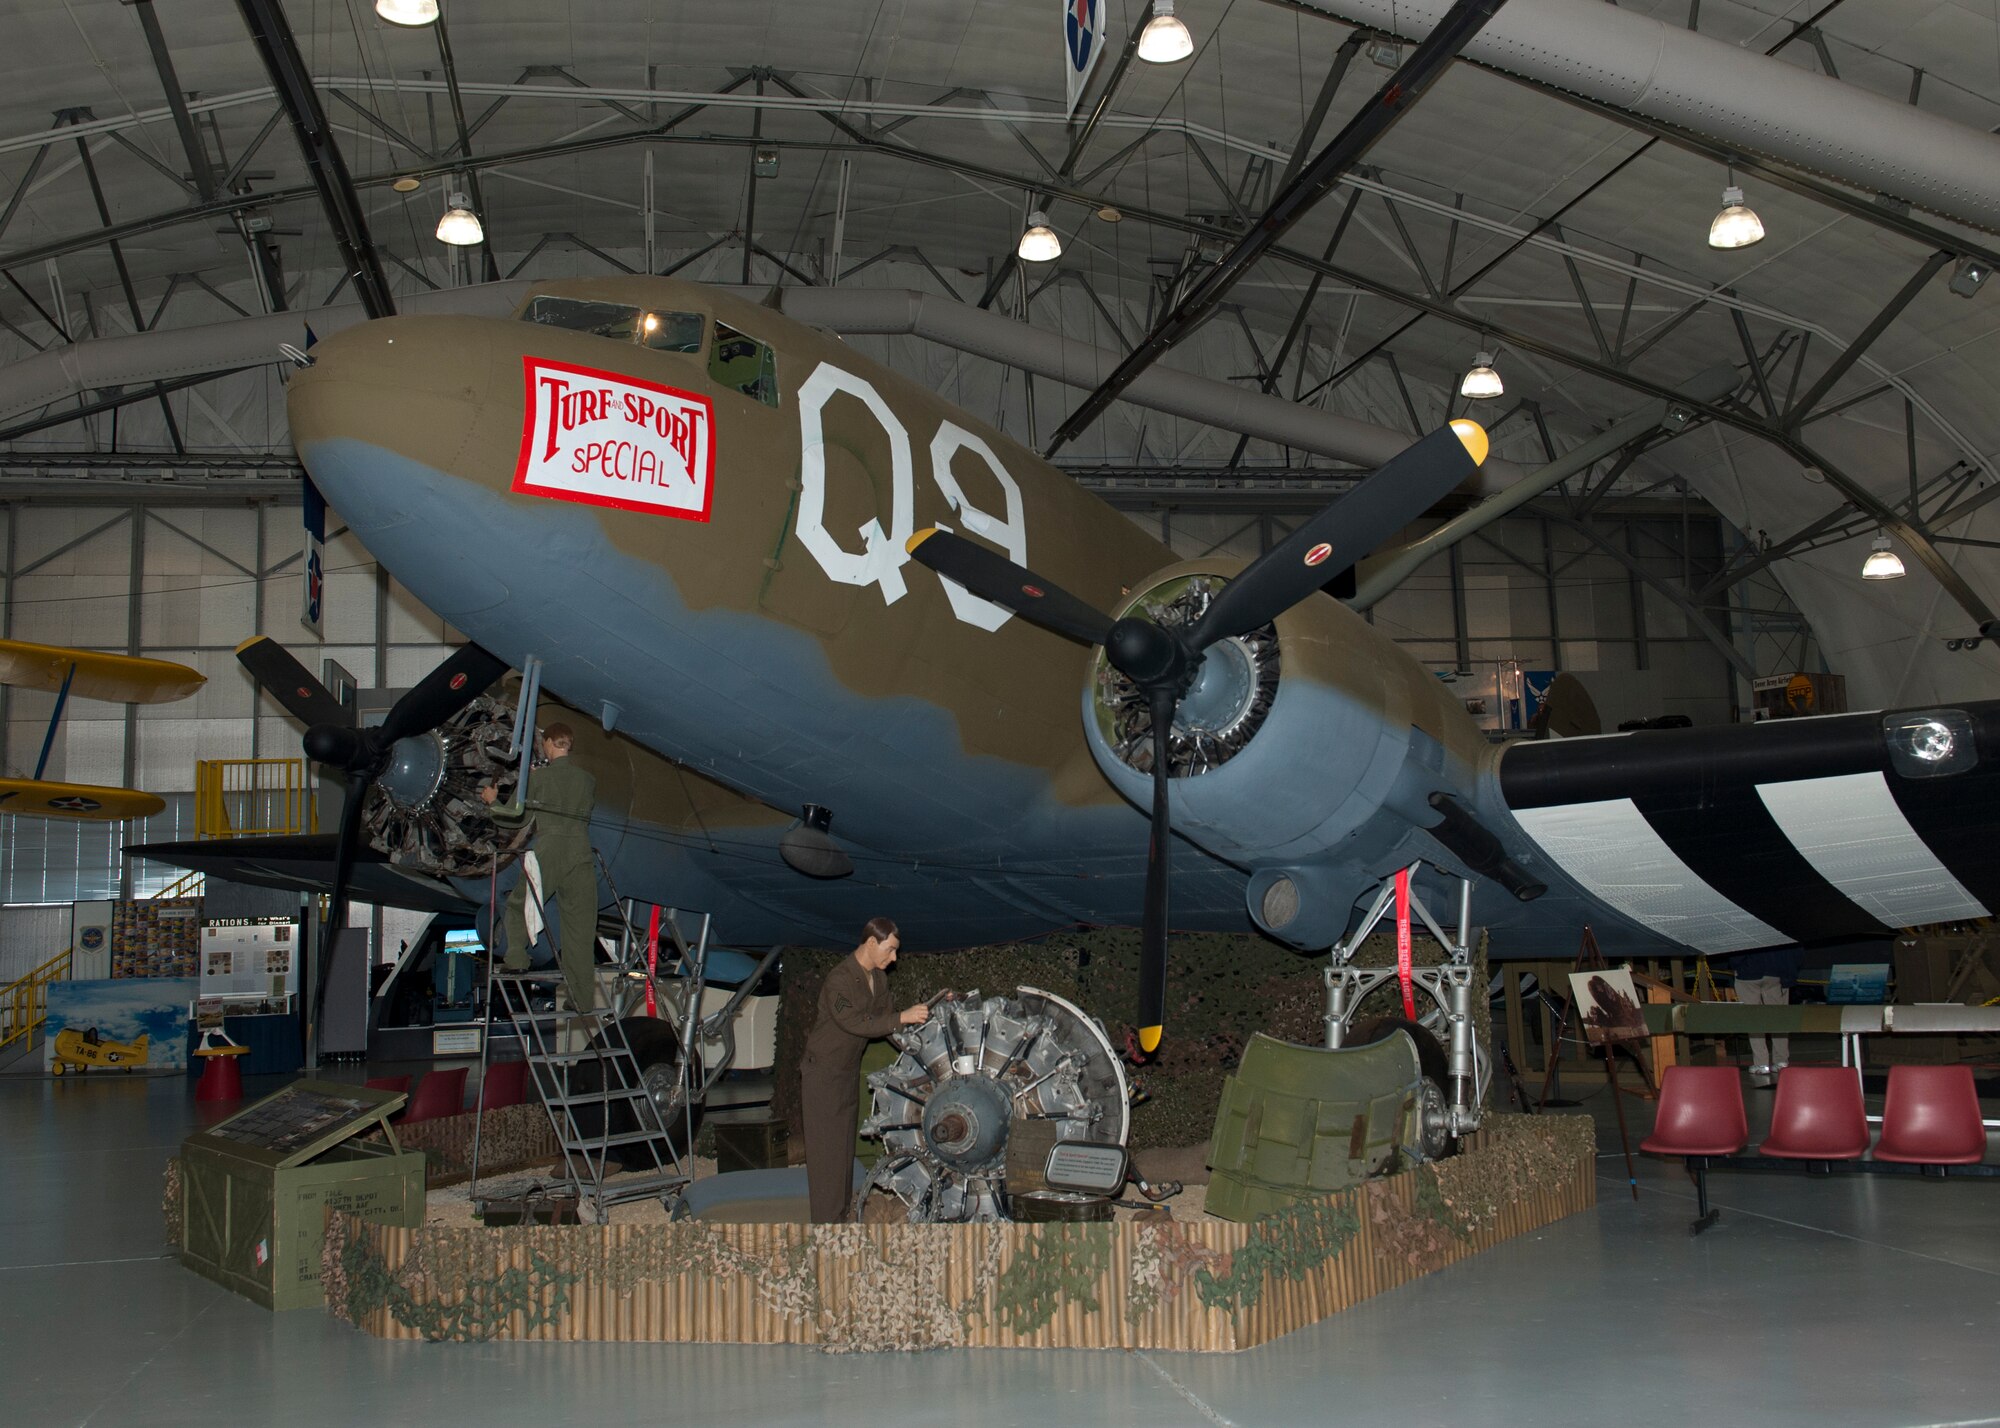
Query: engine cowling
1290,743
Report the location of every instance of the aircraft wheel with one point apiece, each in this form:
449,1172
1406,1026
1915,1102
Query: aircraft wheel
56,1070
654,1045
1433,1138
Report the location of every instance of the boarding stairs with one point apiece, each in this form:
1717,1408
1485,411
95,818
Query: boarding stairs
602,1103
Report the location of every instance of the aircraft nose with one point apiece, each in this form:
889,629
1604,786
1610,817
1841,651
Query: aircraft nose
414,387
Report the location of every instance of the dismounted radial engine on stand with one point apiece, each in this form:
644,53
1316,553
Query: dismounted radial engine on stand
982,1073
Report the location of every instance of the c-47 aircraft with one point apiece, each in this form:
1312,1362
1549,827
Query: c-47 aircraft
783,575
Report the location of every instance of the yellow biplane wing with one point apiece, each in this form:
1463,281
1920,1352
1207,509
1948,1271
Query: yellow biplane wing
45,798
92,674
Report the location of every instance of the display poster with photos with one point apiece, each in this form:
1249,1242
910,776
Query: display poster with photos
249,959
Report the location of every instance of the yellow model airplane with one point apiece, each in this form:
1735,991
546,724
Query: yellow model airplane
88,674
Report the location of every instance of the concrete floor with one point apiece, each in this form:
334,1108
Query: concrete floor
1853,1300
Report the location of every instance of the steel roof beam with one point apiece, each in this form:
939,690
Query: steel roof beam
1313,181
272,34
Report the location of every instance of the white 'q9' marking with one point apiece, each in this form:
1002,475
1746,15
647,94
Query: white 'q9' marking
1011,534
881,563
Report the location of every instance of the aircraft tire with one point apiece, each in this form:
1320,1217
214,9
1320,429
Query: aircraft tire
1431,1061
654,1045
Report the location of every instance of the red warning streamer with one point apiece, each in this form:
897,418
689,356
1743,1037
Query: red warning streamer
652,957
1403,943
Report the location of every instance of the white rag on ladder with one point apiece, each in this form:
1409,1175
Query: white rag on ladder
531,869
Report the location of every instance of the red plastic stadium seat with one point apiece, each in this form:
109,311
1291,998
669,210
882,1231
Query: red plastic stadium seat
1818,1115
1932,1117
1701,1113
506,1084
440,1093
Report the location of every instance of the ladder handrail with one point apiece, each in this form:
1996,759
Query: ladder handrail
25,1000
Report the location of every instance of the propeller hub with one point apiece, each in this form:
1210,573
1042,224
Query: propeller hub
1145,653
336,745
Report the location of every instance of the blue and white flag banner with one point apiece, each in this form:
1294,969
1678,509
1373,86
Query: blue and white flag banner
1083,42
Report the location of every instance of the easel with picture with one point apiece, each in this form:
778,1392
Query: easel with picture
1605,1004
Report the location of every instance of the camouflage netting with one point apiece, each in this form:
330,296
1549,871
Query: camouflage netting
857,1287
170,1200
1221,989
513,1138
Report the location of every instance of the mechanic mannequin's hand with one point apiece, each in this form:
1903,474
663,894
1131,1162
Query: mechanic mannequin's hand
915,1015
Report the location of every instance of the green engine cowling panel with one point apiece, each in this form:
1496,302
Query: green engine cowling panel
1297,1121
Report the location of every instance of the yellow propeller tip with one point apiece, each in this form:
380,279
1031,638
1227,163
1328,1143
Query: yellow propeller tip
254,639
910,545
1472,436
1149,1039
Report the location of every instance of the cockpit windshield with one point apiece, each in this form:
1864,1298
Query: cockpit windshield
621,322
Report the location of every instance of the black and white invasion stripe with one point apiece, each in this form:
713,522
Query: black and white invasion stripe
1762,835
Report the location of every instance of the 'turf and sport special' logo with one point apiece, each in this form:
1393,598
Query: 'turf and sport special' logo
609,440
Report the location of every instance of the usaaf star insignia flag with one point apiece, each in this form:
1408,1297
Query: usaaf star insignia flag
1083,41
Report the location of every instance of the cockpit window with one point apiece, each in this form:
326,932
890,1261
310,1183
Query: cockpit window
671,331
621,322
615,320
744,364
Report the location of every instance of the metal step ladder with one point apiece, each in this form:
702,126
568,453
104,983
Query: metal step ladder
584,1062
583,1069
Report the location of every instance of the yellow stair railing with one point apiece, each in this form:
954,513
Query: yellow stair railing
241,798
24,1003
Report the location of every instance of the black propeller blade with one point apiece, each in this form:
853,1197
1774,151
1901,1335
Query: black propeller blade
361,752
1353,526
1163,661
289,682
994,577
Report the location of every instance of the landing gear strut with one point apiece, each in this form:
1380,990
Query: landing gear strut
1453,1109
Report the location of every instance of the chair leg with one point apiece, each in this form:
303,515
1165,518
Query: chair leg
1704,1216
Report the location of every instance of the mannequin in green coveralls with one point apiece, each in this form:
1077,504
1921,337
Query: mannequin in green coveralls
561,797
854,1009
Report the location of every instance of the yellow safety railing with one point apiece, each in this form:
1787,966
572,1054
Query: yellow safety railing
239,798
24,1003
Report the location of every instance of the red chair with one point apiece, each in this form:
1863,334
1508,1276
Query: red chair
1817,1116
1932,1117
1700,1115
506,1084
439,1094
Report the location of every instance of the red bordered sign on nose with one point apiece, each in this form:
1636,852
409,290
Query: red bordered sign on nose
607,439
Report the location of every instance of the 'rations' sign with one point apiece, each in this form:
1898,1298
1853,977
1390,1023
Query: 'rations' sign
609,440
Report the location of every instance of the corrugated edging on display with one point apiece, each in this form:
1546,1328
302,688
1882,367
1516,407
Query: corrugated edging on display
1206,1286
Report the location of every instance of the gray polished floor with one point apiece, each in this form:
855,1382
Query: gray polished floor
1857,1300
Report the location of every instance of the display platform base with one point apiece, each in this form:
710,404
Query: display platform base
1205,1285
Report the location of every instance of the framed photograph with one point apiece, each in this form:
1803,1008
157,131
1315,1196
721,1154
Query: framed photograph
1607,1005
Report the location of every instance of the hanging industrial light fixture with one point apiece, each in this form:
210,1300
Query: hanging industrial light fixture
1481,380
1738,225
1882,563
408,12
1165,39
460,226
1040,243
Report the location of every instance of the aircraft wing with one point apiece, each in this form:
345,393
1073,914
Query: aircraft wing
93,674
45,798
1764,835
304,863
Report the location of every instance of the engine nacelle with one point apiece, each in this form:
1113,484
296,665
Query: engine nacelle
1290,742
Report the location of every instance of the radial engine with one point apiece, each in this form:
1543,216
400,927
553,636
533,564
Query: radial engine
980,1071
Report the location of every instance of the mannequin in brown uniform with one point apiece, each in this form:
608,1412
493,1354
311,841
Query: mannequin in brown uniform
854,1009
